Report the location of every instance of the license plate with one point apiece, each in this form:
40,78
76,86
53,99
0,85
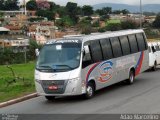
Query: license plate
53,87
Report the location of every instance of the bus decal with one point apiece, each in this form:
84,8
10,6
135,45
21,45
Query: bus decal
105,72
139,64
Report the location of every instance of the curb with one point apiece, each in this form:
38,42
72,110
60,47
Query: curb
17,100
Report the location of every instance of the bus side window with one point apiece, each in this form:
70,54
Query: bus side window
96,52
86,57
106,49
116,47
133,43
125,45
141,41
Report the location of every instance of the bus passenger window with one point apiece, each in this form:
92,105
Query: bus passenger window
116,47
86,57
106,49
125,45
96,52
141,42
133,43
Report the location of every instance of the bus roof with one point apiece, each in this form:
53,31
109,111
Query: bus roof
108,34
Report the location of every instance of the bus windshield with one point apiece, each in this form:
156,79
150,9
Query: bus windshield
59,57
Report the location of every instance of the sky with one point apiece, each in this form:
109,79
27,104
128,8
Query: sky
93,2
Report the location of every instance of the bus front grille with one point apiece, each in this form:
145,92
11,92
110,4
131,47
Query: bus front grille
60,84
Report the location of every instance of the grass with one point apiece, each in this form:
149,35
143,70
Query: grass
113,21
19,88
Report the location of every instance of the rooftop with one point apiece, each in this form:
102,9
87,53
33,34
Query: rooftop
3,29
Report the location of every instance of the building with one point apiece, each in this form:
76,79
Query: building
18,45
4,30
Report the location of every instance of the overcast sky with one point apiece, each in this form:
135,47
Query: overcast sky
92,2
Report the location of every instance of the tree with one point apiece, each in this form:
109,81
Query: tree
1,14
125,11
79,11
61,11
107,10
99,11
53,6
85,26
117,12
156,23
72,11
87,10
31,5
46,13
43,5
32,46
9,5
2,5
104,11
65,21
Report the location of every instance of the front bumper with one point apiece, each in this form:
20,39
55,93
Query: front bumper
65,88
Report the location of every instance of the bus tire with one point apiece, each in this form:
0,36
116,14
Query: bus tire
131,78
50,98
90,91
154,66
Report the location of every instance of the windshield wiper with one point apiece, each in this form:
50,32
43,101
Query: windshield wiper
45,66
65,66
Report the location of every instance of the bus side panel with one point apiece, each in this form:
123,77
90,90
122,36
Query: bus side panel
102,73
115,70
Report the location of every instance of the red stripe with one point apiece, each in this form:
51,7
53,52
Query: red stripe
138,69
90,70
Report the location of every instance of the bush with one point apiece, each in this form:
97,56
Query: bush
9,56
128,25
113,27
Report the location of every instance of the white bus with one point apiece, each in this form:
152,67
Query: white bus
83,64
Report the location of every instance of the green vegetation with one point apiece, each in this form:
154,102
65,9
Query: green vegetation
36,19
9,5
114,25
46,13
113,21
19,88
31,5
12,56
156,23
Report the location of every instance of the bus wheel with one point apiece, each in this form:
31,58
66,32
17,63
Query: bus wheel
154,67
131,78
90,90
50,98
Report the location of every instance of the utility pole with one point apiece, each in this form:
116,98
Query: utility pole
140,14
24,4
25,54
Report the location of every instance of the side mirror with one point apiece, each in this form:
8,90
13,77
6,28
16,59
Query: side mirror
37,52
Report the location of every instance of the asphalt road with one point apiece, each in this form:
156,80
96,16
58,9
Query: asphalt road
141,97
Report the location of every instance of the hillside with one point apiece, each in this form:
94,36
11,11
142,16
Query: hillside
147,8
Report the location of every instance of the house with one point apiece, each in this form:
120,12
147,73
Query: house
4,30
14,29
18,45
